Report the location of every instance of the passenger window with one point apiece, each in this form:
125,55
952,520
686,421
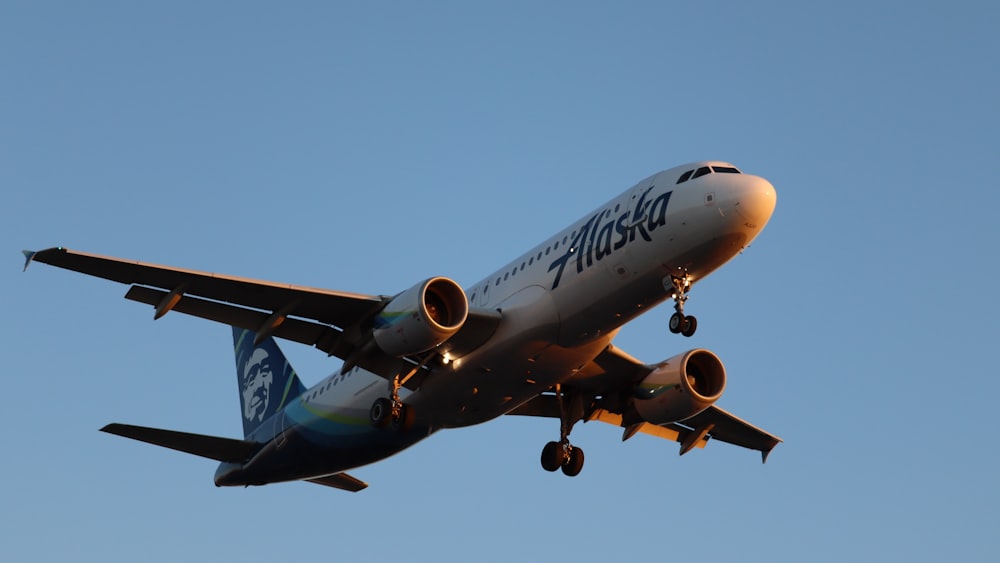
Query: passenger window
701,172
505,276
684,177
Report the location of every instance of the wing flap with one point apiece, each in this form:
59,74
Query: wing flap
322,336
548,406
669,432
211,447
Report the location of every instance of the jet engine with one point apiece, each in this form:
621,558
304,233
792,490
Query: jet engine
421,317
680,387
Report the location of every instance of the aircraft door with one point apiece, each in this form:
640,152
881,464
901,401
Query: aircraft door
481,295
280,425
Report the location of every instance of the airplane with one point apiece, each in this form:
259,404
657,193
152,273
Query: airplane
533,338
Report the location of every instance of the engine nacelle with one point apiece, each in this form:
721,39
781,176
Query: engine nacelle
680,387
421,317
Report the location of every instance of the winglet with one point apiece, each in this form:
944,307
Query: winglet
28,256
765,453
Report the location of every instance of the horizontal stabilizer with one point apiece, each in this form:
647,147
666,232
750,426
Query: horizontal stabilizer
212,447
341,481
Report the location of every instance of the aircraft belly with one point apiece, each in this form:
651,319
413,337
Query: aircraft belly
495,378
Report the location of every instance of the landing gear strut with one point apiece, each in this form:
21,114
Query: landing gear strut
392,411
562,454
679,324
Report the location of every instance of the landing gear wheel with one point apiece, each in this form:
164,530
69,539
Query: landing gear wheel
380,414
677,323
678,286
690,325
553,455
574,464
402,421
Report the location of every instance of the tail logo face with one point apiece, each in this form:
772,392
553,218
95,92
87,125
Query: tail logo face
265,379
255,382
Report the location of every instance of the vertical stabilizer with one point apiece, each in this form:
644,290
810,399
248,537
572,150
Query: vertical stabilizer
266,380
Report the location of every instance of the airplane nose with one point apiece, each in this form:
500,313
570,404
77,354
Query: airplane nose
755,201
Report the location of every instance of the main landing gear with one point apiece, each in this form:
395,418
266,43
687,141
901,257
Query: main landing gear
562,454
679,324
392,411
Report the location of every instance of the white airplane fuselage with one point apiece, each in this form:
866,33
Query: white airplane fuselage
562,303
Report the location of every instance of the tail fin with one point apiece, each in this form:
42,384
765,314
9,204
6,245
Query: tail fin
266,380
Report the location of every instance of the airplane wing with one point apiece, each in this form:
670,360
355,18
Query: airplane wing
613,370
332,321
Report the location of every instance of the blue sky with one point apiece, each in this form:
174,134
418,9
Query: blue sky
365,147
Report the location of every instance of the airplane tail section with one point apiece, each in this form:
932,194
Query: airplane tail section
266,380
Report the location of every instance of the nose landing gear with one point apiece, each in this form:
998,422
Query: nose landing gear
680,324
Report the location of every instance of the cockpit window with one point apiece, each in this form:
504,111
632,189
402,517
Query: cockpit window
692,174
725,169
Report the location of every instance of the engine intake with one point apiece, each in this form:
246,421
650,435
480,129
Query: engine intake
422,317
680,387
